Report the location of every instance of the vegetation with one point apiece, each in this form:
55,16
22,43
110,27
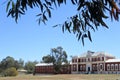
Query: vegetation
57,56
9,62
9,66
90,13
10,72
30,66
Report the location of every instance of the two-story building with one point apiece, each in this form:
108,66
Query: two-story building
95,62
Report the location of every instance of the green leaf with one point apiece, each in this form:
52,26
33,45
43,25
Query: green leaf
49,13
65,1
13,5
89,36
10,12
39,14
44,17
103,24
55,25
83,40
39,20
41,5
67,27
48,3
63,28
73,2
8,6
21,12
90,26
79,36
85,35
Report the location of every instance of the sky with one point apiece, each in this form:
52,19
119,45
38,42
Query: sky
29,41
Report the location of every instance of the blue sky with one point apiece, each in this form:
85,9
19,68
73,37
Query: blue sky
30,41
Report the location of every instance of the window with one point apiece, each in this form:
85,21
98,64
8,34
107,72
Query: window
84,68
108,67
96,67
81,68
101,66
98,58
85,60
82,60
93,68
78,60
119,66
74,67
95,59
116,67
88,59
73,60
102,58
112,67
92,59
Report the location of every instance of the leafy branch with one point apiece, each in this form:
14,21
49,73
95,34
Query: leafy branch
91,14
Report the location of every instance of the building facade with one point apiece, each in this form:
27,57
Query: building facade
87,63
47,68
95,62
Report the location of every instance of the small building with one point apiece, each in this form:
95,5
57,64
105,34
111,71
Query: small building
95,62
47,68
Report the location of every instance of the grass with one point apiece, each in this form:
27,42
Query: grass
65,77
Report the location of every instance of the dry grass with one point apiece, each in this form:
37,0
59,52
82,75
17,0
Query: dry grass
65,77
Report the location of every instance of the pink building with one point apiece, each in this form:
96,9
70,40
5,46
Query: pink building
95,62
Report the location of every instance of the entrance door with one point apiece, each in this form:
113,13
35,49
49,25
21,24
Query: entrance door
88,69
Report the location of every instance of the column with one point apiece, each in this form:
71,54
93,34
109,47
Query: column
77,65
104,67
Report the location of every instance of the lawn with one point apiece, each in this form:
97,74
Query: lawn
65,77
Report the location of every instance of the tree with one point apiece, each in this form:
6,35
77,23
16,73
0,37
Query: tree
7,63
21,63
30,66
57,56
47,59
89,17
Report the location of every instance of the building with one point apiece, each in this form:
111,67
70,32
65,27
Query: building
47,68
44,68
95,62
87,63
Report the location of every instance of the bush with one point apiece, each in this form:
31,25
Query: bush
10,72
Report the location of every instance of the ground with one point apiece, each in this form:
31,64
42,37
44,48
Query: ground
65,77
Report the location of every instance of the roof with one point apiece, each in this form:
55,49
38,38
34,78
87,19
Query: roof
112,60
92,54
102,53
21,70
88,53
44,64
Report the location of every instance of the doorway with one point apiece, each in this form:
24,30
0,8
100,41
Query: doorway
88,69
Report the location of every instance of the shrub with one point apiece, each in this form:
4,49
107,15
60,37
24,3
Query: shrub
10,72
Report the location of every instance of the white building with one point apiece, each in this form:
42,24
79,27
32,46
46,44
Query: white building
95,62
